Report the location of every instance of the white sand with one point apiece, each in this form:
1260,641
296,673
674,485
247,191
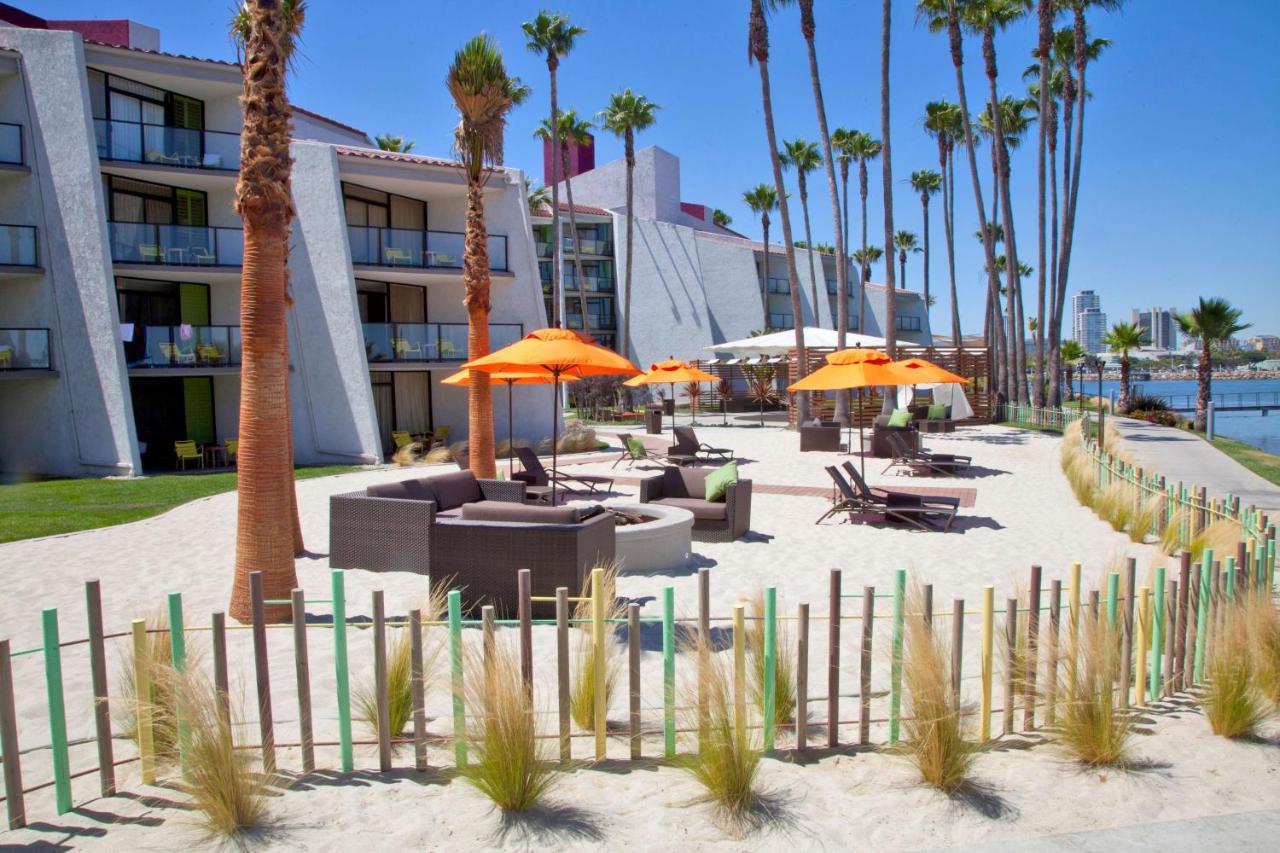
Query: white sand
1024,514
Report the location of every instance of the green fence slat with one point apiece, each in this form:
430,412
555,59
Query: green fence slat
455,668
895,682
669,670
340,671
770,666
1157,635
57,709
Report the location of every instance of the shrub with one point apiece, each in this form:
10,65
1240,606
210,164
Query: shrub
1147,403
934,739
410,454
1093,730
1264,636
1115,506
582,696
1144,519
1162,418
1221,535
1232,702
506,763
400,670
784,677
438,455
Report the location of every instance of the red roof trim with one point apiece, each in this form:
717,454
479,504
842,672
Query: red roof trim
545,210
326,119
394,156
222,62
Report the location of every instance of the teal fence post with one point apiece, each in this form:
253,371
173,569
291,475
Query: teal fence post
1202,614
895,683
340,671
669,670
178,653
455,667
770,666
1229,566
1157,635
57,709
1113,598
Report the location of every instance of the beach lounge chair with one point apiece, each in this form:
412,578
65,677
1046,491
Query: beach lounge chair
687,444
919,511
534,474
187,451
633,451
920,460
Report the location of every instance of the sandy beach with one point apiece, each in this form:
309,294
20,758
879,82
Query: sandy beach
1022,513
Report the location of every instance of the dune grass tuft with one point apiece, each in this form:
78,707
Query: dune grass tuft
162,698
1115,506
506,761
1232,701
1093,730
1144,519
934,737
400,669
727,761
1264,637
1221,535
582,693
784,680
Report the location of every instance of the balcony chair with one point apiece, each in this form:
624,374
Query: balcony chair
212,161
396,257
440,436
405,350
150,253
402,439
202,256
210,354
448,351
6,358
187,451
173,354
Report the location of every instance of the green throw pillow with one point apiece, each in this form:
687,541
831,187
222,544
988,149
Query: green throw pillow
937,413
718,481
635,446
900,418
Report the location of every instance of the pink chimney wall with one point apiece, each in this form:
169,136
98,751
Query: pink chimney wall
582,158
107,32
697,211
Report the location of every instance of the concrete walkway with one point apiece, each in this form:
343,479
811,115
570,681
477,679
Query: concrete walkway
1244,832
1180,455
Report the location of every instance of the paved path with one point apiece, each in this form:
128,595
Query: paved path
1247,831
1180,455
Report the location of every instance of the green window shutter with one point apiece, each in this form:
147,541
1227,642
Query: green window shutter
197,393
186,112
190,208
193,301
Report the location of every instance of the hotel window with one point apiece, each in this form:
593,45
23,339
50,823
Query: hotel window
908,324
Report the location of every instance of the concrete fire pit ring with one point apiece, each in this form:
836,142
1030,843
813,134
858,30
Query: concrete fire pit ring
662,544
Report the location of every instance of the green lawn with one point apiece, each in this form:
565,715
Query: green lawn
1265,465
48,507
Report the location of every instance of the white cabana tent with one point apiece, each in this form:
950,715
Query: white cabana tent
781,343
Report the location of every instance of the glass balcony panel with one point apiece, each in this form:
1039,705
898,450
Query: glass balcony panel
497,252
377,342
504,334
444,249
11,143
17,245
24,349
162,145
415,341
188,346
364,244
176,245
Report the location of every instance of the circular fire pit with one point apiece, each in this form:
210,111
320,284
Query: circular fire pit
660,542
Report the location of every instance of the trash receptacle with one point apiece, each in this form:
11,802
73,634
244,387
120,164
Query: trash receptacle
653,420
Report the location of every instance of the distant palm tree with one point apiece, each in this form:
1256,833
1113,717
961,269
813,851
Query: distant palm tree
1072,354
484,93
842,144
538,197
1122,338
762,199
720,218
758,54
396,144
552,36
626,115
572,131
1213,321
863,146
886,186
865,259
926,182
942,122
906,243
804,157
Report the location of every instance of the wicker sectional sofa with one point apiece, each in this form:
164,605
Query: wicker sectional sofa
686,487
472,534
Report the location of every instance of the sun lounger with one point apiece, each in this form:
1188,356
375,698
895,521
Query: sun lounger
633,451
687,445
534,474
926,513
922,460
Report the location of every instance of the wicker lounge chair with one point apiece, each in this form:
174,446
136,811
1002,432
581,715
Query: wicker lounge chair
821,438
685,488
920,460
534,474
923,512
687,444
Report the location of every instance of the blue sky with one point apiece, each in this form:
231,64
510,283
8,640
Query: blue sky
1180,195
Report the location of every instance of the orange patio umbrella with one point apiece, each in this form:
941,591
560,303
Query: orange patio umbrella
463,378
670,372
928,373
558,353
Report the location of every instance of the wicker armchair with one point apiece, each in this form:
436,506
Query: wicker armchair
686,487
820,438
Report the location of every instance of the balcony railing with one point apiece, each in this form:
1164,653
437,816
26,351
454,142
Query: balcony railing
24,349
779,286
595,283
588,246
402,247
780,321
184,346
176,245
185,148
544,249
604,322
11,144
416,342
18,246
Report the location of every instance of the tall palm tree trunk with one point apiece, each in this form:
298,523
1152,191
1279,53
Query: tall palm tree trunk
886,168
577,246
1055,309
949,226
865,263
1068,123
924,203
1123,403
1044,18
1013,280
557,239
764,288
629,145
1204,378
476,286
808,250
844,218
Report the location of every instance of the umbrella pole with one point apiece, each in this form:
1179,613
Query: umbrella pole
555,401
862,446
511,465
673,410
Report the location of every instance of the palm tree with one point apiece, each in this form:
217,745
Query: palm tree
552,36
926,182
865,259
804,158
572,131
720,218
944,16
396,144
1213,321
906,243
886,165
267,532
942,122
762,199
1071,355
1122,338
842,145
1045,11
483,93
627,114
758,54
863,147
537,197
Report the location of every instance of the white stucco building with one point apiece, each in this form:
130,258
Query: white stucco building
120,261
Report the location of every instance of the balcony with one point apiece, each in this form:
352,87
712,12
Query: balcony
18,249
594,283
400,247
160,145
428,342
780,286
185,346
588,246
780,321
600,322
24,349
11,153
176,245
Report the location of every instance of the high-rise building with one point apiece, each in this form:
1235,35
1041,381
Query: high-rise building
1264,343
1089,325
1159,327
